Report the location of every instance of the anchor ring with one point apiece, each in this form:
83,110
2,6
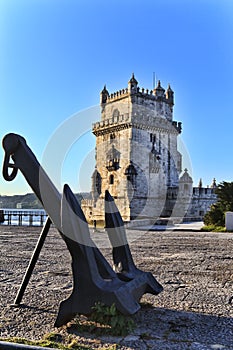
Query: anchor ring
6,166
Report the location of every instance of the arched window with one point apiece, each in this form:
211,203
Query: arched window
131,174
115,113
112,136
111,179
98,183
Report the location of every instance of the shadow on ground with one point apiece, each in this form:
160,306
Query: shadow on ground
159,328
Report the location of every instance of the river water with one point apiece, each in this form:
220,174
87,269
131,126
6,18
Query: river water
24,217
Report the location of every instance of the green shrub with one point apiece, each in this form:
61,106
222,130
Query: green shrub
109,320
213,228
215,216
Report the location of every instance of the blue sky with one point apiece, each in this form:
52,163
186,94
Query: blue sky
56,56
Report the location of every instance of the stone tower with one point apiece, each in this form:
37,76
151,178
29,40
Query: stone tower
136,152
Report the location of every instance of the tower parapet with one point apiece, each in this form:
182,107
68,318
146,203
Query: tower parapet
157,99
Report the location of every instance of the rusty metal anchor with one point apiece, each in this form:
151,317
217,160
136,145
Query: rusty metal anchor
94,280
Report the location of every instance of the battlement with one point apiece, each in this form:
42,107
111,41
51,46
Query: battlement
87,202
204,192
148,121
118,95
157,94
113,121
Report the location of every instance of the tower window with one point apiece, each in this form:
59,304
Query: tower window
98,182
131,174
153,138
115,113
111,179
113,159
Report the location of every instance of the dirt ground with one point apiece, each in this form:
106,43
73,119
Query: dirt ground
193,312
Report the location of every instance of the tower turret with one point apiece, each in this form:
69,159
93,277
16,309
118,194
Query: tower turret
170,95
104,95
213,185
132,85
159,91
200,183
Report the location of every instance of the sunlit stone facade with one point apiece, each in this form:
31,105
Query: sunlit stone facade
137,158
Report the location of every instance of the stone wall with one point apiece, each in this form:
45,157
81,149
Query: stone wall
202,199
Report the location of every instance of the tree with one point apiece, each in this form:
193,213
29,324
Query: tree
224,192
216,215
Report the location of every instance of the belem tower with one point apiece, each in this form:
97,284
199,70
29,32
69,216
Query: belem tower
138,161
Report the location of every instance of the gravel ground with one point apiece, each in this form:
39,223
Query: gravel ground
193,312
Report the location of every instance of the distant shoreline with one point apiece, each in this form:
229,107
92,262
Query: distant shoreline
28,201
